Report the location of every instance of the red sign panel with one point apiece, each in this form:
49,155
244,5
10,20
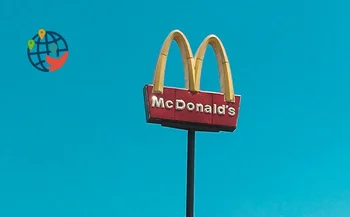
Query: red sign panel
180,108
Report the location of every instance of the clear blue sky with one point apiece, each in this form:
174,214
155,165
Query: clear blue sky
74,143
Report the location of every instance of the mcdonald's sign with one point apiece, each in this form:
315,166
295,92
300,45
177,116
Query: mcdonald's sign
189,107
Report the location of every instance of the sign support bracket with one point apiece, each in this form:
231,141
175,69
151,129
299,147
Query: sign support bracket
190,172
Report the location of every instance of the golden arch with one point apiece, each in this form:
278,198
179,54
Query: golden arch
226,83
193,65
187,59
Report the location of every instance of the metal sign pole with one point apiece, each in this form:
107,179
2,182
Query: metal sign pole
190,173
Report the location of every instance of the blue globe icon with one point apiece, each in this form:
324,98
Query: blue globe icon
51,46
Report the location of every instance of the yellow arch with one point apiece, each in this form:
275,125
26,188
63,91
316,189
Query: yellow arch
226,83
187,59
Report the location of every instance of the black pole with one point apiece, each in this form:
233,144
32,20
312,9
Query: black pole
190,173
